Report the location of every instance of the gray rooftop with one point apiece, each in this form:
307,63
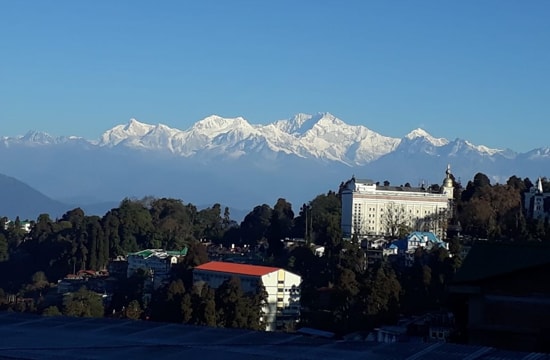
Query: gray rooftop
34,337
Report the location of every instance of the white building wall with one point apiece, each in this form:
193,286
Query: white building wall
282,287
363,212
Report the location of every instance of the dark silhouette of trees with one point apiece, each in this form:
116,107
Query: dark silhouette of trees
84,303
255,225
280,227
338,283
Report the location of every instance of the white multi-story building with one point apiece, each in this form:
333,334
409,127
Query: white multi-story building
157,263
371,209
282,287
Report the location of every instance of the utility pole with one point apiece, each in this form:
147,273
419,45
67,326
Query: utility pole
308,221
304,208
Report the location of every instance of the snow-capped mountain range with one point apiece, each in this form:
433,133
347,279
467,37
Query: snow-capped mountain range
322,136
305,154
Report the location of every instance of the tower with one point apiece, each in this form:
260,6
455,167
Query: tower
448,188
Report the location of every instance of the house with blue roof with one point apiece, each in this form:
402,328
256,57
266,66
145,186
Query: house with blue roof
417,239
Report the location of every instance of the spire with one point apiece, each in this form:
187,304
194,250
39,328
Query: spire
448,185
539,184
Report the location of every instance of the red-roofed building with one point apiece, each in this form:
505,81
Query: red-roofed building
282,287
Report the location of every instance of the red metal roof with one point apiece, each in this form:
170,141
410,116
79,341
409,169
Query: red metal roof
233,268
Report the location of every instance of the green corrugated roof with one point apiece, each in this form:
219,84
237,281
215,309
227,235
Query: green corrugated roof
143,253
149,252
181,252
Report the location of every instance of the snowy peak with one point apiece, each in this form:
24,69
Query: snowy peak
424,135
133,129
416,133
329,120
540,153
301,123
321,137
296,125
215,123
460,147
38,137
482,149
136,128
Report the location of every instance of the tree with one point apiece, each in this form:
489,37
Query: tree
280,227
133,310
258,304
231,304
209,224
51,311
186,308
207,306
395,220
84,303
325,212
4,248
346,290
383,291
255,225
39,280
174,297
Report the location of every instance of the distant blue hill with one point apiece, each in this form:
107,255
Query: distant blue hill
19,199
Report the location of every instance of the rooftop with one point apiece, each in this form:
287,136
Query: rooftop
425,235
28,336
234,268
159,253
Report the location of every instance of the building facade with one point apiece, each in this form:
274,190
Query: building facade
371,209
282,287
536,202
157,263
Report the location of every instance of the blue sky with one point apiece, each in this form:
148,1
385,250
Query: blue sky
478,70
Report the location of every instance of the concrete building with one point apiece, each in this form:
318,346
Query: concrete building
536,202
282,287
371,209
157,263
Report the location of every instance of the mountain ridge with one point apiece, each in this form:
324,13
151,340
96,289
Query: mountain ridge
322,136
229,160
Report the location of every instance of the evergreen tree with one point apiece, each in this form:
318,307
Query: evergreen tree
51,311
133,310
231,305
84,303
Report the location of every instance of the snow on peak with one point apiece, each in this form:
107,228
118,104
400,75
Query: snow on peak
482,148
329,120
217,124
320,136
422,134
539,153
136,128
133,129
416,133
296,125
38,137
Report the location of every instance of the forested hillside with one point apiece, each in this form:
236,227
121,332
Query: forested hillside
339,292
